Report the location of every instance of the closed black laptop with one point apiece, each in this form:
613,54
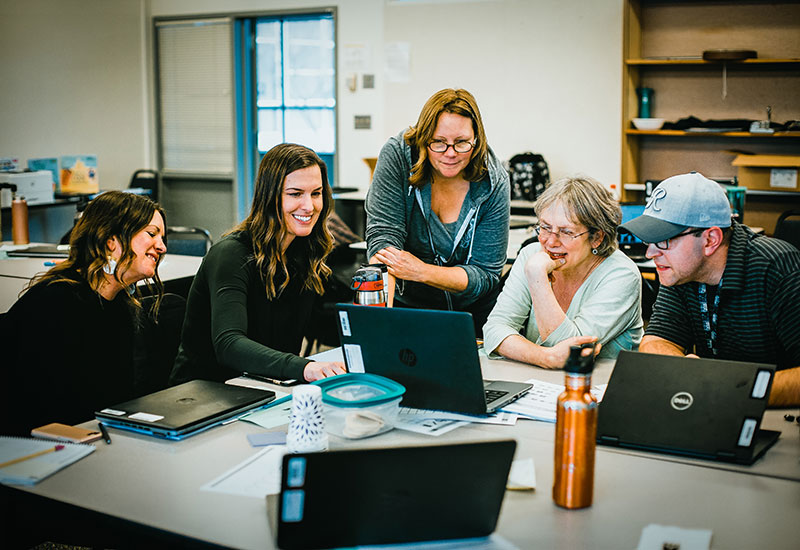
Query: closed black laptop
432,353
391,495
703,408
184,410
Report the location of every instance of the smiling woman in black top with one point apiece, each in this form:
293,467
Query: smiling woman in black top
251,301
69,340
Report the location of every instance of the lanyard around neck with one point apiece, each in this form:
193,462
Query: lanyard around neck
440,260
709,318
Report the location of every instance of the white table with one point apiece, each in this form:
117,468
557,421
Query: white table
156,484
16,272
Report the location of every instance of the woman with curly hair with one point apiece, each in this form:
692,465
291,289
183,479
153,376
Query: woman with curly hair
71,335
252,299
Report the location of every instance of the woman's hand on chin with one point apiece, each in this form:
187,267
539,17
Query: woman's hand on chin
539,267
317,370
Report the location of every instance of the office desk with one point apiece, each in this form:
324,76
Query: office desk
153,485
175,271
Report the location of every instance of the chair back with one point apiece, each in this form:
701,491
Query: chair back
146,179
188,241
787,227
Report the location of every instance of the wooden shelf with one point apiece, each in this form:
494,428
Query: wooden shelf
682,133
702,62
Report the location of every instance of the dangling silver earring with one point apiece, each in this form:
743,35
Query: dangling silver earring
131,290
594,251
110,266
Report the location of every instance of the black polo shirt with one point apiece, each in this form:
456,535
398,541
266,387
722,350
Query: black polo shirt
759,305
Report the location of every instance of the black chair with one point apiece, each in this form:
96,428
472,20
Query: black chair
157,343
146,179
787,227
188,241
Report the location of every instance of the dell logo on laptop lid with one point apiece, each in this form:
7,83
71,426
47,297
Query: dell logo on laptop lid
681,401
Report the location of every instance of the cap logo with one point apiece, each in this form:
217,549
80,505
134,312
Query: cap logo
658,194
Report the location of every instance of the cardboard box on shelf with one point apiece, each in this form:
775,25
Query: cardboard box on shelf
768,172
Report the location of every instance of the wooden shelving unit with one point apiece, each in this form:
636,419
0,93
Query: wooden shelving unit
662,49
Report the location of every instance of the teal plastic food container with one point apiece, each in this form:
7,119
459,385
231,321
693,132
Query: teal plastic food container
360,405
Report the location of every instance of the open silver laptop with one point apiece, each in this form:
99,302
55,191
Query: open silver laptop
432,353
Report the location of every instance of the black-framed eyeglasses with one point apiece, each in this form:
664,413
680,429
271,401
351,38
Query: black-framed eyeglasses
462,146
545,231
664,245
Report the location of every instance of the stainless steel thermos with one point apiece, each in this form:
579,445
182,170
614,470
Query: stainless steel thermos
576,432
368,282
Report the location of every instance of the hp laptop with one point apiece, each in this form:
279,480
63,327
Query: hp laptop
432,353
180,411
630,244
704,408
391,495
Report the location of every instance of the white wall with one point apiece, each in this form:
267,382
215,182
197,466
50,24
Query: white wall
77,76
546,74
71,83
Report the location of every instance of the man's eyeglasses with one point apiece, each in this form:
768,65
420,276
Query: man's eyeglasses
459,146
545,231
664,245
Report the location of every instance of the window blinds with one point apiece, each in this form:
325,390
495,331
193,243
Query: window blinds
195,96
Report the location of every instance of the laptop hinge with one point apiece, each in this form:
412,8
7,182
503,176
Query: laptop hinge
608,439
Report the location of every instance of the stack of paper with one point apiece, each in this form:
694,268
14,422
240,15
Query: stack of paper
34,469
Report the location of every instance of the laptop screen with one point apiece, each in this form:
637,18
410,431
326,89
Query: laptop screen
629,212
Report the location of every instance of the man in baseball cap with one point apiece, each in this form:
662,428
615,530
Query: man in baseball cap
726,292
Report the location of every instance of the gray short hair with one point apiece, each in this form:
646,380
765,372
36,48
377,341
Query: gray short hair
589,203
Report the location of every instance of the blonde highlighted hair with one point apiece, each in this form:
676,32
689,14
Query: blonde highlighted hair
588,203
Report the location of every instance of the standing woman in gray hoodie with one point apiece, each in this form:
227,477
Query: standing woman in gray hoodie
437,211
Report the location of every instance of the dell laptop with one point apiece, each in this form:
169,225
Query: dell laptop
391,495
180,411
703,408
432,353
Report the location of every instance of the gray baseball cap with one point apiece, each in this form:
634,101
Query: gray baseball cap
678,203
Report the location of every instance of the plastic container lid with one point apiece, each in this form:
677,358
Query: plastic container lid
359,390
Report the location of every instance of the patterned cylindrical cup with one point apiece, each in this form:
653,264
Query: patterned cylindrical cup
307,421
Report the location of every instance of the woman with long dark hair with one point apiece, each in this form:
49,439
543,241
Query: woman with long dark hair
69,340
252,299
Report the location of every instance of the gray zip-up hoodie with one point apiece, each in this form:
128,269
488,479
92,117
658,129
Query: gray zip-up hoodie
395,218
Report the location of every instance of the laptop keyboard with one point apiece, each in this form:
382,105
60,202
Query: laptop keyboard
493,395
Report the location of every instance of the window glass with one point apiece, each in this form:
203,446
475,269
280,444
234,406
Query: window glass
296,82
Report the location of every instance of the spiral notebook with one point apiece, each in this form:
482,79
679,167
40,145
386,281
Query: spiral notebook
35,469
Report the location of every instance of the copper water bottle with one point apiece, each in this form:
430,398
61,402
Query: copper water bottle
576,432
19,221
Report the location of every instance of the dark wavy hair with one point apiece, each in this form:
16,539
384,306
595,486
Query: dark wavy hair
111,214
457,102
267,228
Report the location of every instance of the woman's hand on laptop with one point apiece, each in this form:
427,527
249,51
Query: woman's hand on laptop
317,370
